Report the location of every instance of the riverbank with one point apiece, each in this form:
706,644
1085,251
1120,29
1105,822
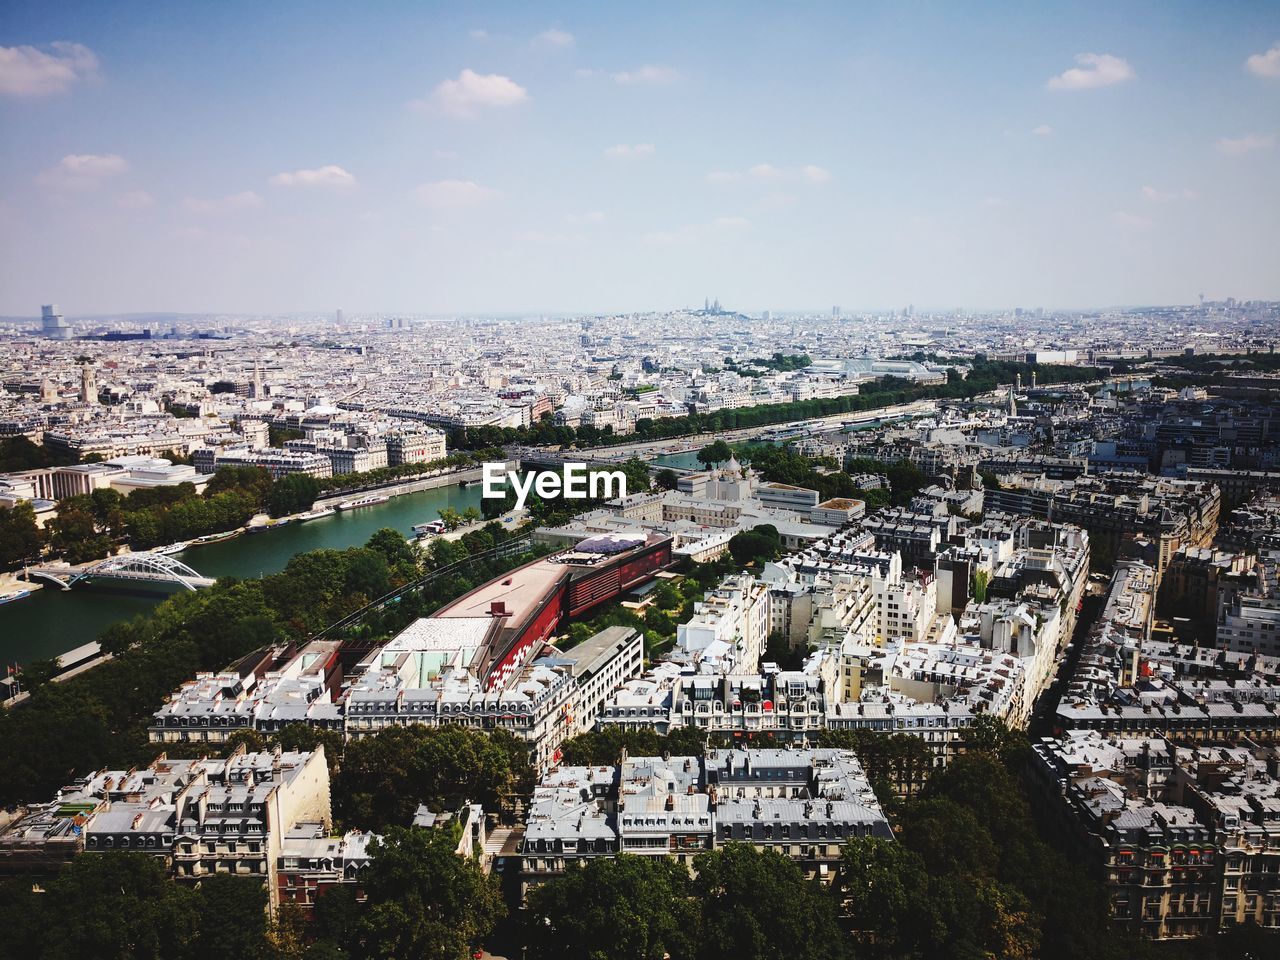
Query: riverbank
51,622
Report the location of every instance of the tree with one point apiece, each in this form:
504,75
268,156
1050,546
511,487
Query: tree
980,580
424,900
757,903
384,777
637,473
717,452
757,545
294,493
232,918
666,479
20,537
400,557
882,884
116,905
638,908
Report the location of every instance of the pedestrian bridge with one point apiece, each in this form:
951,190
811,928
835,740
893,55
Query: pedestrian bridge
138,567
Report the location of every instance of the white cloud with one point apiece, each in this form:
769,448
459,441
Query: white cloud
628,151
245,200
452,194
82,171
651,73
1153,195
327,176
31,72
1095,70
583,219
473,91
1044,130
478,34
1129,221
1265,64
1239,146
554,38
691,232
763,173
135,200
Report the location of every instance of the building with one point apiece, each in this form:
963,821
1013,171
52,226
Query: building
202,817
52,323
805,804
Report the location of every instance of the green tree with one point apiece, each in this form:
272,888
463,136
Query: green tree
116,906
232,918
757,903
713,453
666,479
294,493
20,537
757,545
625,907
424,900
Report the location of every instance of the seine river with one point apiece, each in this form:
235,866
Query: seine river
52,621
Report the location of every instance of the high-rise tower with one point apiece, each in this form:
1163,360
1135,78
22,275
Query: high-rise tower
53,324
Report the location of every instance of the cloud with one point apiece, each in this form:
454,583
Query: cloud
1095,70
1265,64
582,219
472,91
31,72
135,200
1044,130
651,74
628,151
327,176
1160,196
478,34
1239,146
82,171
1129,221
245,200
553,38
691,232
763,173
453,194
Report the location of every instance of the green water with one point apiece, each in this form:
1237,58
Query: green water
51,621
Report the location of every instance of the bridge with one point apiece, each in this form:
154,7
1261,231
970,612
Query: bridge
138,567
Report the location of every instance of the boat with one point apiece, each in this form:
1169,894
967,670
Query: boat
363,502
315,514
10,597
172,548
216,537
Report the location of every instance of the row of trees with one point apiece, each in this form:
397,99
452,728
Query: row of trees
983,377
420,900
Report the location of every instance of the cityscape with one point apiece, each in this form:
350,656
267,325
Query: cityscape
466,502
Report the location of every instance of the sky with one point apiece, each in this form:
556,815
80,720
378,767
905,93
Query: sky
286,157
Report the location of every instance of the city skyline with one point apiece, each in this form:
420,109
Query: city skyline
573,160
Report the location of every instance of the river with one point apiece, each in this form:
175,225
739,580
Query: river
51,622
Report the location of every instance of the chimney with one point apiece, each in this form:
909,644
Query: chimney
671,802
497,609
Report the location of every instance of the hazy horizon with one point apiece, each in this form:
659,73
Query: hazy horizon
479,159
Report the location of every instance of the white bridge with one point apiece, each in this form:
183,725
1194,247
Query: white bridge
144,567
